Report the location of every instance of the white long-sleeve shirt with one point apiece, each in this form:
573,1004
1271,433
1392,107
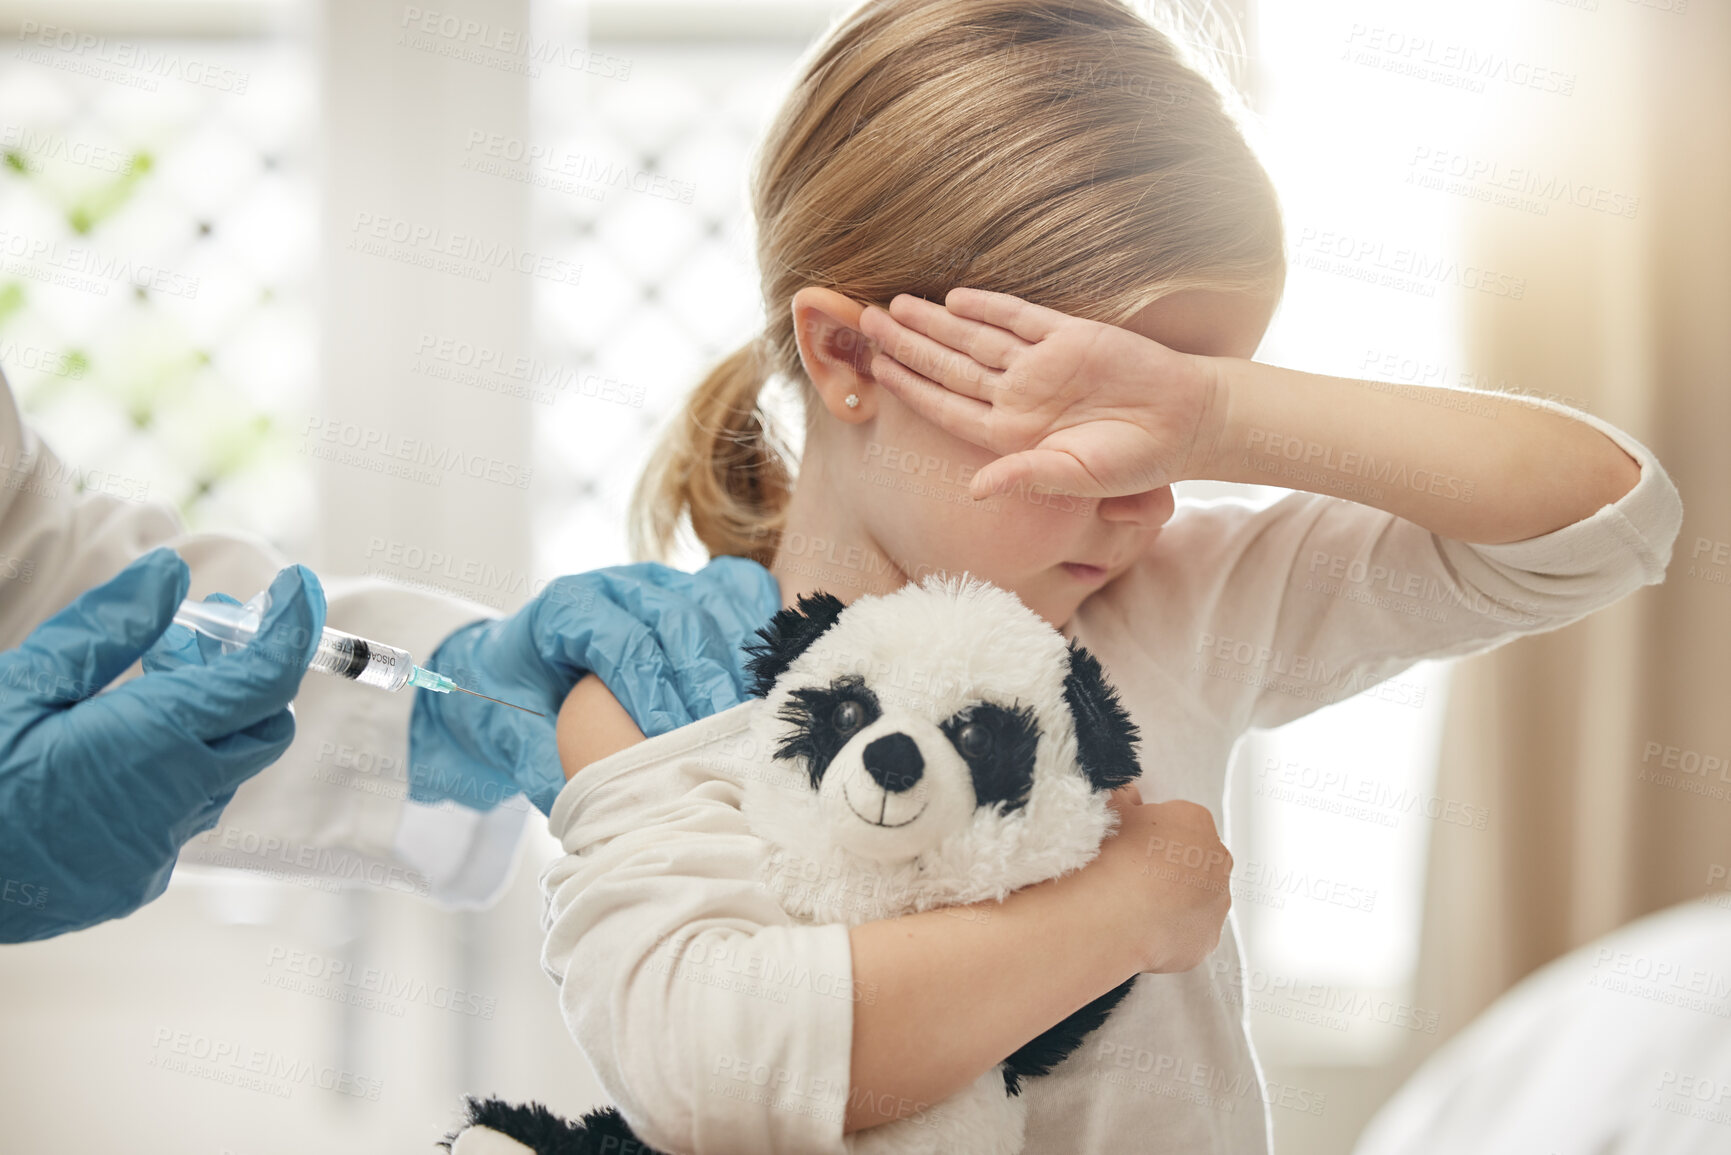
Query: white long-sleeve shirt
721,1025
335,806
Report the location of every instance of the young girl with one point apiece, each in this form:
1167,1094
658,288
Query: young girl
1058,152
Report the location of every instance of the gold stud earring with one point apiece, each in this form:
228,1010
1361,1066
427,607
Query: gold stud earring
851,400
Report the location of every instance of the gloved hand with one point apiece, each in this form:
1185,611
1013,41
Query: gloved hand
668,644
98,792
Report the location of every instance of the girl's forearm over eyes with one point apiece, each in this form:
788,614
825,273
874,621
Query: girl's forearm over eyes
1489,469
945,995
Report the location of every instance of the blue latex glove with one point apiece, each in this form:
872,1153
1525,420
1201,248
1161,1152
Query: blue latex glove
98,792
668,644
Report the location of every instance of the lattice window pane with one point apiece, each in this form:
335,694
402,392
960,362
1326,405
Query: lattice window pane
155,295
669,284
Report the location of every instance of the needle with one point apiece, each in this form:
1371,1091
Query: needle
513,705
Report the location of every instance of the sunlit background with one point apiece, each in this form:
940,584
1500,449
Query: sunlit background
188,298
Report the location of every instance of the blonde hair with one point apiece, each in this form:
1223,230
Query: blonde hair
1064,151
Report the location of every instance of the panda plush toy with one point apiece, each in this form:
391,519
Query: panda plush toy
936,746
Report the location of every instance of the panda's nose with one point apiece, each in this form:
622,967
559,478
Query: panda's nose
894,762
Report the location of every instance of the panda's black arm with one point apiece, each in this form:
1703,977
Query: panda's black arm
602,1131
1050,1047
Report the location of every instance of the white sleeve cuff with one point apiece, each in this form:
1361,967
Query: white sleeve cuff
1642,524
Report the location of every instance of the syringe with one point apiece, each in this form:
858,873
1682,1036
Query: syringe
346,655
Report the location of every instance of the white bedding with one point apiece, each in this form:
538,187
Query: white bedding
1621,1048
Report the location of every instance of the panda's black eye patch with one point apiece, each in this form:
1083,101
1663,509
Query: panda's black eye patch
823,719
998,743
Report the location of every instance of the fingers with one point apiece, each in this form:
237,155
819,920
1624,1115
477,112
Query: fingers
931,359
968,356
966,417
656,690
543,783
620,635
988,345
475,754
179,646
91,642
244,753
1025,319
666,643
238,690
740,593
277,656
1056,470
209,649
728,598
229,762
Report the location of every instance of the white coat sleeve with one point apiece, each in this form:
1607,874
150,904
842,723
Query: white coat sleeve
1281,610
717,1024
336,805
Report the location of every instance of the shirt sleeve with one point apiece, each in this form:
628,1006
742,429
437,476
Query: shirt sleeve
336,804
716,1023
1280,610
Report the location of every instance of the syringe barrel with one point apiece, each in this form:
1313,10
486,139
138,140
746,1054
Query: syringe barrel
346,655
362,660
232,625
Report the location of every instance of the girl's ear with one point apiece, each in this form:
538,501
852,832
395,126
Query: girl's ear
1105,736
788,635
835,354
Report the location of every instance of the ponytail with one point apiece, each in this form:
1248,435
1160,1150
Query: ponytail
720,465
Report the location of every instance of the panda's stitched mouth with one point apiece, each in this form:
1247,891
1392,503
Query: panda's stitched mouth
878,821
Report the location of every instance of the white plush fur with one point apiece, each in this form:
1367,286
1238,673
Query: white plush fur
926,652
484,1141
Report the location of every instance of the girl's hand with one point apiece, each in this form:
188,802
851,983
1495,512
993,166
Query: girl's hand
1078,406
1167,863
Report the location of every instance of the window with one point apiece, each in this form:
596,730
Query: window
156,313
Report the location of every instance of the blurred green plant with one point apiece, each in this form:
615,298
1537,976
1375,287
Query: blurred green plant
103,199
146,369
12,301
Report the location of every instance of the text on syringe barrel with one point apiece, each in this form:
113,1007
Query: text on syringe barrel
360,660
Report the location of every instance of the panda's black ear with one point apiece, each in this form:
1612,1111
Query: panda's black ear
788,635
1105,736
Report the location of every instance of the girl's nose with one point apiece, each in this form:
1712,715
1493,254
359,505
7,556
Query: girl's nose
1150,509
